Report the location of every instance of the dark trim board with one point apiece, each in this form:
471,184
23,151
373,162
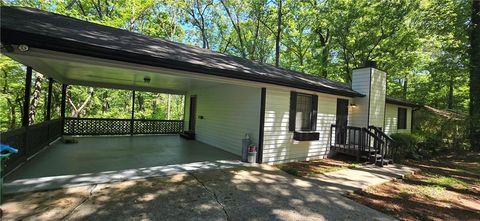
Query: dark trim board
262,125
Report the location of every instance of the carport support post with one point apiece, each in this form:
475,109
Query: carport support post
62,107
133,113
26,101
49,99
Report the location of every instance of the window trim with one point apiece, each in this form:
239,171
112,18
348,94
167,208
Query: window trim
293,112
402,125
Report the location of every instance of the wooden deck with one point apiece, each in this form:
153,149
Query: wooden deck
351,149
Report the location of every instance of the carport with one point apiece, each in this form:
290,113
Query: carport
107,149
102,159
82,53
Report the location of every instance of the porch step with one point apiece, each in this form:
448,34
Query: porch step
385,162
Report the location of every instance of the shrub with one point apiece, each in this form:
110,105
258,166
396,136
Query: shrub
444,131
407,146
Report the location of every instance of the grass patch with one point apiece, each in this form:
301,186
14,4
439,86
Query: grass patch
446,188
290,170
432,192
448,182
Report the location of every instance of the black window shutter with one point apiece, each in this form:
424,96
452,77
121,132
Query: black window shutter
293,111
314,112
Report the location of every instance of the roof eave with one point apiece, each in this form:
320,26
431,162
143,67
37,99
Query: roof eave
9,36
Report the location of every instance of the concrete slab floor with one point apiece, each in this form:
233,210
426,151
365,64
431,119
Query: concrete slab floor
246,193
350,180
99,154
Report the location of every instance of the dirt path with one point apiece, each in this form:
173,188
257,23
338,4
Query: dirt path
447,188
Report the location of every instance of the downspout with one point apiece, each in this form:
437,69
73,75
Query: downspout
262,125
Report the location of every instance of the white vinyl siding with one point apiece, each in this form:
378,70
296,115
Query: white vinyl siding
361,83
377,98
370,109
279,145
229,112
391,115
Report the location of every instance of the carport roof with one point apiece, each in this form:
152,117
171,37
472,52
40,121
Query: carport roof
50,31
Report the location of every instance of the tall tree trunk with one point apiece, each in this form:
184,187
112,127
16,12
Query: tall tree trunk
76,111
450,92
169,101
35,98
12,117
324,39
278,35
475,77
405,88
236,25
140,101
324,61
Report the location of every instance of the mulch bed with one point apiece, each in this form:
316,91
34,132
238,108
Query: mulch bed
310,168
446,188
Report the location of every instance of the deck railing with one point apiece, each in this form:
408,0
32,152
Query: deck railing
100,126
387,150
29,140
349,138
370,143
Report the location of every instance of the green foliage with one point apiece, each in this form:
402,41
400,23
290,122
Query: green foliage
406,145
448,182
12,82
443,131
422,45
435,132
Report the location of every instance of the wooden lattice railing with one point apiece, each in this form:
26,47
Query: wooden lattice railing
99,126
29,140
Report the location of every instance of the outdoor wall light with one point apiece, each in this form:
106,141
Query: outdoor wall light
146,80
353,105
23,48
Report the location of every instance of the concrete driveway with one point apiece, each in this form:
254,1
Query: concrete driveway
246,193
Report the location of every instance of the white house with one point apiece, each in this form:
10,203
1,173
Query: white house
289,115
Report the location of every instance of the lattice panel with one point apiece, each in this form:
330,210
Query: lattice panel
158,126
93,126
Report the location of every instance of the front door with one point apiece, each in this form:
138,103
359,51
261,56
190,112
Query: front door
193,113
341,121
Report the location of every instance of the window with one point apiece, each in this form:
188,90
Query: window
402,118
303,118
303,112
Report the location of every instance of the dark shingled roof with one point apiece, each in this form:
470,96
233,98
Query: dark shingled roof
40,29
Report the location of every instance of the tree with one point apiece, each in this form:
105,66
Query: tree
198,15
278,34
475,77
37,90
